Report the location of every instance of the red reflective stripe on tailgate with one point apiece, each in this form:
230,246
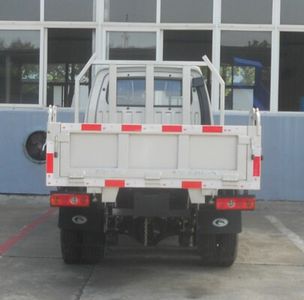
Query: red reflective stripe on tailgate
213,129
192,184
172,128
114,183
49,163
131,127
91,127
257,166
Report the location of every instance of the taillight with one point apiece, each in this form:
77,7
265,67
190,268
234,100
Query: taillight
235,203
70,200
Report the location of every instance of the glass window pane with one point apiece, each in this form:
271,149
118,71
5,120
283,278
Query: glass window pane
292,12
247,11
228,98
64,63
132,45
168,92
181,11
130,10
226,72
69,10
19,66
131,92
291,89
20,10
244,76
189,45
245,66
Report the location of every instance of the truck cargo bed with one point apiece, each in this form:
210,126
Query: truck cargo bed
160,156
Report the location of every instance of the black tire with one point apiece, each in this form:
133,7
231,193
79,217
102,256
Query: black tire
217,249
92,250
71,241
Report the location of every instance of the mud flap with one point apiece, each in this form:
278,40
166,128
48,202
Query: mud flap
219,222
83,219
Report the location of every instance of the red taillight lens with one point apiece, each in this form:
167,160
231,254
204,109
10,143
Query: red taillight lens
235,203
70,200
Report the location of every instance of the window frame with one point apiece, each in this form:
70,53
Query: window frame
100,27
40,81
259,24
42,27
134,22
25,21
43,18
191,23
107,30
232,86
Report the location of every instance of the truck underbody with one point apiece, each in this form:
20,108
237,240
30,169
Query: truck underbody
149,216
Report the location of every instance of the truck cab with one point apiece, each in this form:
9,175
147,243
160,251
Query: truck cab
167,104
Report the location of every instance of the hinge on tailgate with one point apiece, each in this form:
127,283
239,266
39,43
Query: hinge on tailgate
52,114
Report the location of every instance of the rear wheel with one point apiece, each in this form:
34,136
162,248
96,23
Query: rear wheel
217,249
92,247
70,246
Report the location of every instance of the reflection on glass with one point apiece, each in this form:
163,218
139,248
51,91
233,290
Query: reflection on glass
64,63
245,67
168,92
244,76
226,73
181,11
131,45
130,10
19,66
228,101
131,92
292,12
291,87
188,45
20,10
69,10
247,11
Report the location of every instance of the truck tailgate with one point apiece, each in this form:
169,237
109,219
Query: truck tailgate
168,156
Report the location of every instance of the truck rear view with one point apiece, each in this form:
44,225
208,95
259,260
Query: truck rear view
148,161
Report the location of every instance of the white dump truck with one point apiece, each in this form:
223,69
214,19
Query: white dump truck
147,160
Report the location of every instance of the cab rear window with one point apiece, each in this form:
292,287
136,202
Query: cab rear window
132,92
168,92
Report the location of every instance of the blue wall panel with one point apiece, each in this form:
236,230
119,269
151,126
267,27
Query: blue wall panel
18,174
283,164
283,150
